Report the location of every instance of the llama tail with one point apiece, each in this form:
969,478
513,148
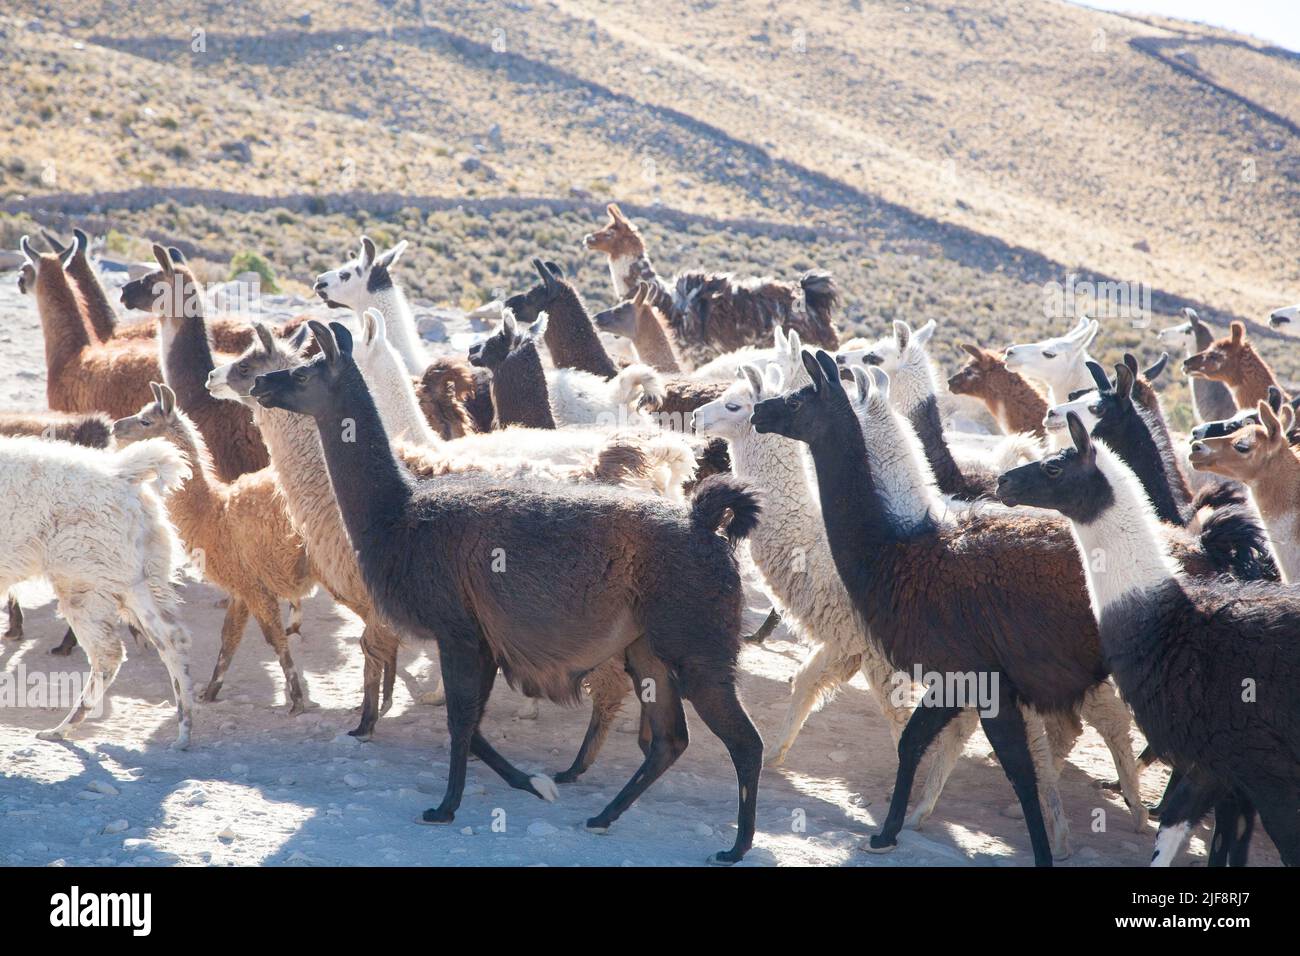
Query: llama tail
822,298
1237,544
1220,494
153,458
639,386
1016,450
722,503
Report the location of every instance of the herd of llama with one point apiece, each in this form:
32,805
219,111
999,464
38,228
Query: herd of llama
575,504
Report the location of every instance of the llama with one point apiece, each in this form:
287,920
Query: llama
1057,363
241,532
470,387
1233,361
1211,401
518,378
1260,457
979,593
367,282
646,579
717,312
580,398
81,375
1247,417
89,431
1182,650
176,297
1015,405
90,522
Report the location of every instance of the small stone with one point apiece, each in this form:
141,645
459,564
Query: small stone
539,828
227,834
466,831
354,780
102,787
117,826
837,756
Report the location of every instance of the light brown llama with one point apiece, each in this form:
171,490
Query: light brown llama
1014,403
82,375
1233,361
239,536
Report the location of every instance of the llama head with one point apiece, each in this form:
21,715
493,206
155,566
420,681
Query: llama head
157,419
618,239
542,297
168,291
1049,359
806,414
371,349
38,265
494,349
980,375
623,318
80,243
265,354
1106,403
352,284
1285,320
314,387
1069,482
904,358
728,415
1184,336
1247,454
1243,419
1222,360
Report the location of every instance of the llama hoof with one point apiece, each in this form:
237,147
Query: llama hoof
385,707
1141,816
292,629
566,776
597,826
14,634
1111,785
1061,852
915,822
297,707
180,743
435,818
362,734
62,650
1013,811
724,858
528,710
544,787
775,759
879,844
50,735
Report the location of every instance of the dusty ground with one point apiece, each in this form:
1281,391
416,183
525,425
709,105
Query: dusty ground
259,786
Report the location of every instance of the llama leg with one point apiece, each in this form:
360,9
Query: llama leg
1175,777
538,785
67,645
232,632
951,742
1243,828
668,732
159,623
15,630
1006,732
890,689
1048,773
816,680
720,708
267,611
926,723
295,617
770,624
609,686
95,616
1187,803
460,658
372,639
389,670
1281,821
1103,709
1228,826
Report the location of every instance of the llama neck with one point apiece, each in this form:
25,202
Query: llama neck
194,499
572,340
61,320
1070,379
371,488
299,463
393,393
399,323
625,271
1276,495
1124,556
653,344
1253,377
183,346
1134,442
902,478
1211,400
857,526
519,392
1172,466
1022,407
924,419
99,311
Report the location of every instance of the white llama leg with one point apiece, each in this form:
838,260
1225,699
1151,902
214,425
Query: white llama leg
1103,709
93,617
157,620
820,675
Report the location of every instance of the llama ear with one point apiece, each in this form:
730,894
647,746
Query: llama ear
66,255
642,291
548,278
554,268
157,393
902,334
324,340
1238,333
81,239
779,340
166,400
177,257
343,337
1123,382
25,244
1272,426
615,213
1190,315
1131,362
538,329
814,370
921,337
1274,398
1086,339
755,379
1079,434
509,323
367,252
381,326
863,383
972,350
1099,376
830,369
1287,418
775,379
879,382
52,241
164,260
264,336
389,258
368,325
1154,371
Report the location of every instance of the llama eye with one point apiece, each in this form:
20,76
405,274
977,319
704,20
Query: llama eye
1047,354
1051,470
343,276
1241,446
243,368
145,422
732,407
1095,409
299,377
